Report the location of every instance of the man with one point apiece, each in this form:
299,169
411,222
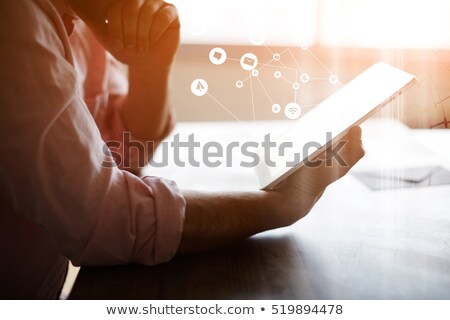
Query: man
62,95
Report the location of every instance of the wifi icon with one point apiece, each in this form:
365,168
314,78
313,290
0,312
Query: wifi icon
293,111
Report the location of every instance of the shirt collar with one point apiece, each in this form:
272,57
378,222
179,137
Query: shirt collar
66,13
63,8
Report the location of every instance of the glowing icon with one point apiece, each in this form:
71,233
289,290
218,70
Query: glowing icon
276,57
277,74
217,56
249,61
293,111
257,38
276,108
296,86
304,77
239,84
333,79
255,73
305,46
199,87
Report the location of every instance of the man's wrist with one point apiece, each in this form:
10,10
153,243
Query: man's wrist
279,209
145,111
150,71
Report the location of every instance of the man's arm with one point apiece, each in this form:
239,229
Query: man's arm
145,110
149,52
95,213
210,219
215,219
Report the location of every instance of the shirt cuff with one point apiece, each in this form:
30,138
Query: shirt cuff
170,207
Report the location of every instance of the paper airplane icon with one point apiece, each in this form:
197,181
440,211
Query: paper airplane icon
200,87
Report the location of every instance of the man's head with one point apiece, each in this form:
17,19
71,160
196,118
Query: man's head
91,10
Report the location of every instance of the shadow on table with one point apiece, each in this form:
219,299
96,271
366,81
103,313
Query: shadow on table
257,268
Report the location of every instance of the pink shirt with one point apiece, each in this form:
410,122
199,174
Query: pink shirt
57,201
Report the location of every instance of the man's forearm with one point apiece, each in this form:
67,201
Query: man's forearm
145,111
213,220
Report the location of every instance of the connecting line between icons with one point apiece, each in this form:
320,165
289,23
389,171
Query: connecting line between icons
324,66
270,50
264,65
284,51
265,91
287,80
245,79
253,104
281,62
225,108
249,62
271,66
295,60
318,60
293,110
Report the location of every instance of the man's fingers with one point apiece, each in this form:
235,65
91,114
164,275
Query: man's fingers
114,18
130,13
351,152
355,132
166,17
328,167
146,18
354,150
134,24
337,164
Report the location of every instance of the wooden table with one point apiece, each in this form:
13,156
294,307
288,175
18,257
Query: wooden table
355,244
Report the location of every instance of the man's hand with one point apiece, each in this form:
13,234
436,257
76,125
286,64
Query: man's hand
298,194
143,32
216,219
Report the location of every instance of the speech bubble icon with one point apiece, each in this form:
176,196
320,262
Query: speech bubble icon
217,56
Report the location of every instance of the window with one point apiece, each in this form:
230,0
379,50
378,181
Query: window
419,24
280,22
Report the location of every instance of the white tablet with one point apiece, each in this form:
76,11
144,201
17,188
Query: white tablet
329,121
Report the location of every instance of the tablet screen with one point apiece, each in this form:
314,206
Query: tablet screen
329,121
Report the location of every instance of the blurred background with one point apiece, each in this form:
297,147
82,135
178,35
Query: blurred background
320,38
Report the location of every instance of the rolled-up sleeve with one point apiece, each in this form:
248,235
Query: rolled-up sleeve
168,216
149,232
54,167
